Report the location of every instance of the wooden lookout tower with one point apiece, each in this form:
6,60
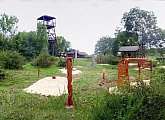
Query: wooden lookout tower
50,23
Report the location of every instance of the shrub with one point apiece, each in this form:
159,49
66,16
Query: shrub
154,63
61,63
109,59
141,103
162,62
11,60
44,60
2,73
136,103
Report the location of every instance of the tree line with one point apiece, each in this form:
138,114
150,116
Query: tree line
139,29
29,44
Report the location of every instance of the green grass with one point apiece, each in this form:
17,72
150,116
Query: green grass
89,96
16,104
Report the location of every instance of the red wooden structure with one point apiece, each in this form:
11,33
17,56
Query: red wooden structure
104,71
70,90
123,68
38,72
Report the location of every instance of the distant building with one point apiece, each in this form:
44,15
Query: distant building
71,54
81,55
77,54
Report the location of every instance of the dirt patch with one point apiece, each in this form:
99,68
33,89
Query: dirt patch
105,83
104,64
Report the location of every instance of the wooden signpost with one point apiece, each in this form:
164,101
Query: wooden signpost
70,90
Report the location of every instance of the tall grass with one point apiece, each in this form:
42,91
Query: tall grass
136,103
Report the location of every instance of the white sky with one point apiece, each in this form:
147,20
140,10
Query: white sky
82,22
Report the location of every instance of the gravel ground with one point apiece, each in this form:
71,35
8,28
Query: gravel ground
74,71
48,86
162,66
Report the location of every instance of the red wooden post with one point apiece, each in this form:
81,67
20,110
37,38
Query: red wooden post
139,69
38,72
104,71
70,90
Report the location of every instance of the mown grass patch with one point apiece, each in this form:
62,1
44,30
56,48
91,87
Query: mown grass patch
91,99
16,104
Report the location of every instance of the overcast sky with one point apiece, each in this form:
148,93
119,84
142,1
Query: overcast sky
82,22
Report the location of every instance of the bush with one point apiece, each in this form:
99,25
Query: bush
61,63
2,73
11,60
154,63
44,60
141,103
136,103
109,59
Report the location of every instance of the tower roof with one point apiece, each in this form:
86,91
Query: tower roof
46,18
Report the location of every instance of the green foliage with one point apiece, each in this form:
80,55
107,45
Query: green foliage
44,60
104,45
26,44
115,47
144,24
162,63
63,45
135,103
110,59
142,103
61,62
11,60
127,39
107,59
42,39
2,73
8,25
154,63
139,103
124,38
158,76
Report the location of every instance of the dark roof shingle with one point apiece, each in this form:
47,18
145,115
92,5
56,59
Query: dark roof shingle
128,48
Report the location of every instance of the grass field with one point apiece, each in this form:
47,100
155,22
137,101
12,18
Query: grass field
16,104
88,96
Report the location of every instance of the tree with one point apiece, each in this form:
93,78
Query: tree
8,25
126,38
29,49
104,45
161,44
143,23
115,47
42,38
63,45
25,43
161,35
8,28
